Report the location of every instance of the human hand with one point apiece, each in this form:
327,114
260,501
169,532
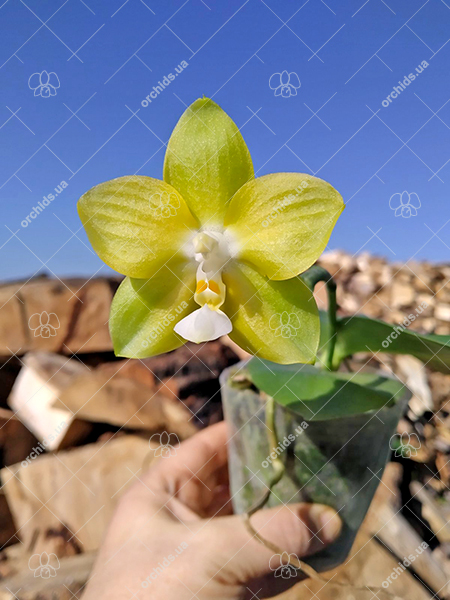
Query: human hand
173,534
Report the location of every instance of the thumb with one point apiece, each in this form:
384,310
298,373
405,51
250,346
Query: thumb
299,529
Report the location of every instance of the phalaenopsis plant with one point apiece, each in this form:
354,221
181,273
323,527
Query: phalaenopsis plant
211,250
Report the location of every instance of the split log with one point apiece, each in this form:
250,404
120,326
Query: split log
386,522
100,397
16,440
66,584
437,516
65,316
41,380
73,493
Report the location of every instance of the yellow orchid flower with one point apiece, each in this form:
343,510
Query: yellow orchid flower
211,250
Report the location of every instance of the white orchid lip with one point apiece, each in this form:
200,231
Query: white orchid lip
212,250
204,325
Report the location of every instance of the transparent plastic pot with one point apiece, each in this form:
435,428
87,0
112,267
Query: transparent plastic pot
338,462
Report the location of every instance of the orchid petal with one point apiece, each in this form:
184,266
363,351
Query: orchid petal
283,222
404,198
284,78
34,562
35,321
294,80
44,78
275,81
414,200
34,81
395,201
128,230
252,300
53,80
144,312
207,160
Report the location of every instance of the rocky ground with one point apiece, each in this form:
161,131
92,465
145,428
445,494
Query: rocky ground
381,290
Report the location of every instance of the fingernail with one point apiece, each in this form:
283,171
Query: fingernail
331,525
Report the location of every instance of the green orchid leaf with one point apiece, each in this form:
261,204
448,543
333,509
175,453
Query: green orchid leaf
276,320
136,224
144,312
361,334
207,160
319,395
282,222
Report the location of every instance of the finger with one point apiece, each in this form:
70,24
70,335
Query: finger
299,529
195,453
220,504
193,474
189,484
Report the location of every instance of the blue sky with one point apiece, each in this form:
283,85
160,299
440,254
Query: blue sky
108,56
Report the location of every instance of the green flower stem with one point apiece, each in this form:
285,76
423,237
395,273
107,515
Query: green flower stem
312,277
332,309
